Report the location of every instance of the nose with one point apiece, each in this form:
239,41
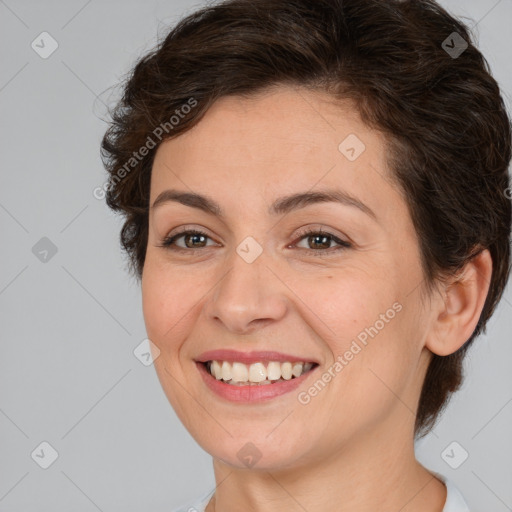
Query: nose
248,296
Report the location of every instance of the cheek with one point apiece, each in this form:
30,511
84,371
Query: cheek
364,326
167,302
349,307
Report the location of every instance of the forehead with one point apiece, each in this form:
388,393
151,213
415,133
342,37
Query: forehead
280,140
273,122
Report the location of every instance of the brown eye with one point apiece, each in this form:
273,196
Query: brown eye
193,240
319,242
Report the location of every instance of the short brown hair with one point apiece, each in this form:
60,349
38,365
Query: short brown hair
448,132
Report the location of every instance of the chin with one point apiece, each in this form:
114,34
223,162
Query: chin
261,452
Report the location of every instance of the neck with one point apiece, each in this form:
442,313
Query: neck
369,473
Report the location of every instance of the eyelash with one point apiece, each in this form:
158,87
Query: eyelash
168,242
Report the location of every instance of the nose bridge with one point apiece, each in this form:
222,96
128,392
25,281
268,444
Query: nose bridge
247,292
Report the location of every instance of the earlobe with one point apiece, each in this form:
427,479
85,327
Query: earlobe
461,306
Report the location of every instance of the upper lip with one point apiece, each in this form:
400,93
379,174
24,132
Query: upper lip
254,356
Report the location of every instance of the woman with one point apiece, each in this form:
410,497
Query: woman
315,204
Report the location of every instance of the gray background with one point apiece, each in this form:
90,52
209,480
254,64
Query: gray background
69,325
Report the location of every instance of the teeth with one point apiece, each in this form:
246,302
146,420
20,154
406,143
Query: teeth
226,371
216,370
297,369
239,373
286,371
257,372
274,370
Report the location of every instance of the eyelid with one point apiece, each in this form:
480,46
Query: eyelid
183,229
321,229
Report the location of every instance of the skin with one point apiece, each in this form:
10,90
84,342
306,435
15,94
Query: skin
351,447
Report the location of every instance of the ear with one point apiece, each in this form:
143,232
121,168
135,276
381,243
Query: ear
463,298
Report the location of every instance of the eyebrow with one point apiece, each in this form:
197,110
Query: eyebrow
282,205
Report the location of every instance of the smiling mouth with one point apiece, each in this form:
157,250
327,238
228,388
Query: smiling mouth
256,374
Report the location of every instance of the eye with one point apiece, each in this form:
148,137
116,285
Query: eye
319,242
193,239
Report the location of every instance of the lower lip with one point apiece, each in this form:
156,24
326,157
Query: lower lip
255,393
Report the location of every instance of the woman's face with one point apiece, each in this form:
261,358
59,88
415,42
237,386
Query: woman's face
347,299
